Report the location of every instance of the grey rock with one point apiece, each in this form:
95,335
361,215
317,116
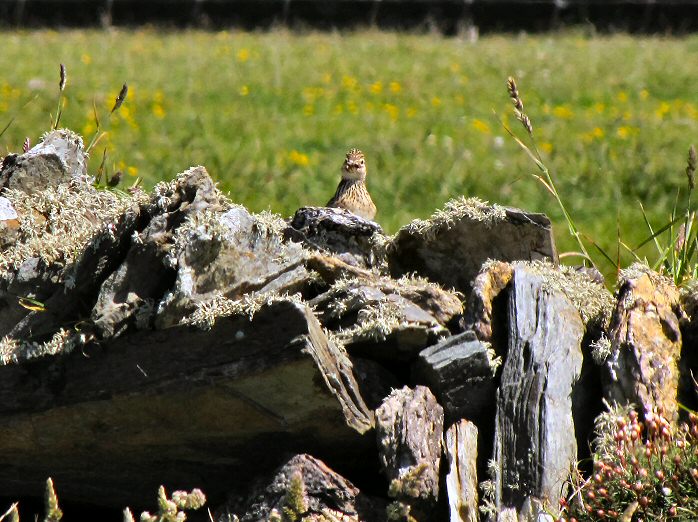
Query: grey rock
181,406
460,371
460,449
645,334
58,158
451,247
535,445
354,240
379,318
409,429
308,485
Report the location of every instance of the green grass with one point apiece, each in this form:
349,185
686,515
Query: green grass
270,115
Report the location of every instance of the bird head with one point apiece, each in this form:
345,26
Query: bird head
354,166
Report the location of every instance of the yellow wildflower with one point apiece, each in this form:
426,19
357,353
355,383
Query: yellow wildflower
244,90
395,87
86,59
436,101
625,132
377,87
158,111
392,110
243,55
662,110
563,111
349,83
132,170
622,96
481,126
299,158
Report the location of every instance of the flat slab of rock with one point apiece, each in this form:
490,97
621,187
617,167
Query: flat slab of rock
355,240
181,407
409,428
451,247
460,449
535,445
645,335
305,488
460,370
380,318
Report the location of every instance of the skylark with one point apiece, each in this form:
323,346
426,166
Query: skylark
352,193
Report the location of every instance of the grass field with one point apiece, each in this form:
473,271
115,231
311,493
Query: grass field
271,114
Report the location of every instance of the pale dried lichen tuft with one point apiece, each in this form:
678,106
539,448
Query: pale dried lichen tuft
375,322
57,223
13,351
209,311
592,300
454,211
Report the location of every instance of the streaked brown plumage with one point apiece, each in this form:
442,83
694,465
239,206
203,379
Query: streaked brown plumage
352,193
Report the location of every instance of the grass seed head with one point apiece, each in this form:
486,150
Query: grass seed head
120,98
64,78
518,106
691,167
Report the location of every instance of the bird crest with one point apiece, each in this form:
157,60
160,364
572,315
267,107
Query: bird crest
355,155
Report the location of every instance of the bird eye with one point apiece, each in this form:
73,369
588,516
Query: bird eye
362,162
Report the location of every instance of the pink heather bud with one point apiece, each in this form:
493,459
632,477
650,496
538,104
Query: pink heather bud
591,495
659,474
598,477
603,492
642,472
672,511
644,501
